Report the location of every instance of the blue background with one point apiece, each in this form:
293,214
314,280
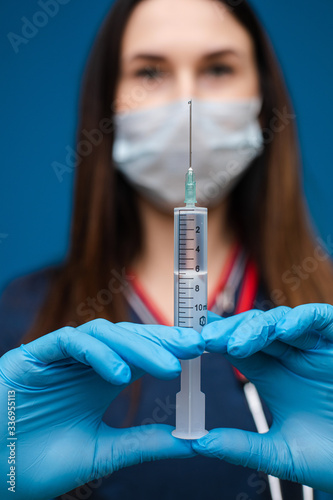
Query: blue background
39,99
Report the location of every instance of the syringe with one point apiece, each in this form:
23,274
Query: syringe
190,299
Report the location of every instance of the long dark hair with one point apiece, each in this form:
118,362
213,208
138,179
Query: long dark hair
266,209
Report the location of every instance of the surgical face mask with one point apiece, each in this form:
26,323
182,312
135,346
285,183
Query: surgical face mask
151,149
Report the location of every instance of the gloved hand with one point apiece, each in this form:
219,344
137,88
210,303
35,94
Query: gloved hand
62,383
288,355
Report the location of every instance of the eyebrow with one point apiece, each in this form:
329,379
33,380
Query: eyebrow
221,53
160,58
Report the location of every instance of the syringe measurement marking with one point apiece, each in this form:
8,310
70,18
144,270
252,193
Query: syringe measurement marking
183,280
182,259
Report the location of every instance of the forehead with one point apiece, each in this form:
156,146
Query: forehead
171,25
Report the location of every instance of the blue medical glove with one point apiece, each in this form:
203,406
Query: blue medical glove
288,355
61,384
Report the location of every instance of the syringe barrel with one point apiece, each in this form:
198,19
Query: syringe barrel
190,267
190,295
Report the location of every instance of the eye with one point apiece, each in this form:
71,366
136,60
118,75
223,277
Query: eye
219,70
151,72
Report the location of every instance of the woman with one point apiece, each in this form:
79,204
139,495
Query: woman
149,56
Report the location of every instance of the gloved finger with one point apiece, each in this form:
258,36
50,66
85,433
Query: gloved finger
211,317
255,367
185,343
69,343
262,333
118,448
217,334
152,348
245,448
256,334
303,321
113,449
276,349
